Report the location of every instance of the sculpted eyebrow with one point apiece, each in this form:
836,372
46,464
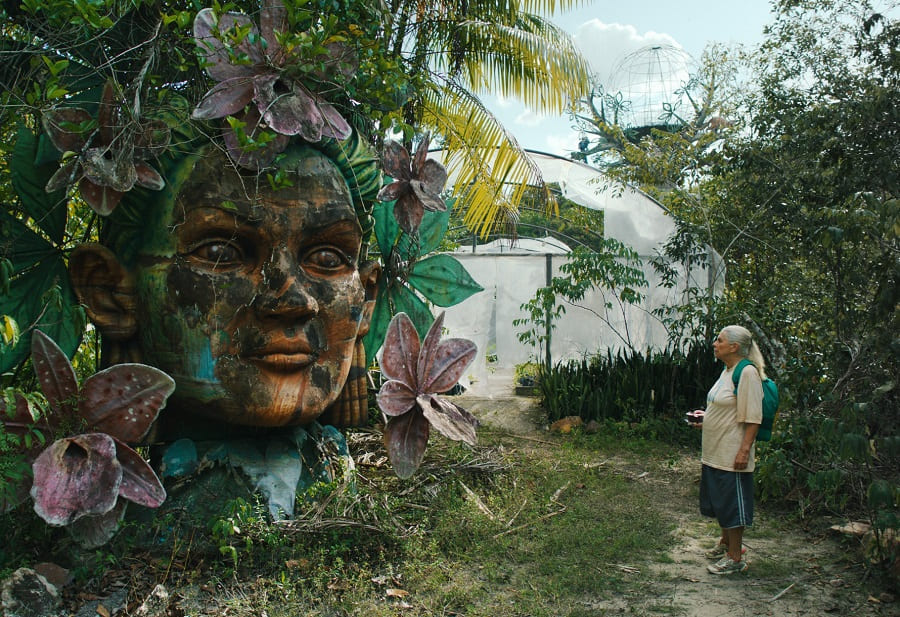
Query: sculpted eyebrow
336,232
218,213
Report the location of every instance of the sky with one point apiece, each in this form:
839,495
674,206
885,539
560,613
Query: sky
607,31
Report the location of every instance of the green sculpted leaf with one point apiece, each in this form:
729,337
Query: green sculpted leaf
29,179
23,247
397,299
43,299
443,280
381,317
386,227
406,301
431,232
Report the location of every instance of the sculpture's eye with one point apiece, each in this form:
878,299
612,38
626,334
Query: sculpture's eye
326,259
219,253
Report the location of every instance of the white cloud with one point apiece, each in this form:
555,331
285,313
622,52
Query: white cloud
605,45
528,118
647,80
500,102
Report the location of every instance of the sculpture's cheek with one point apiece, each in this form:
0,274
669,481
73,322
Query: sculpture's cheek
187,289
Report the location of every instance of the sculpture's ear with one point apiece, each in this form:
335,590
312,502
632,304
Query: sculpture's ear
106,289
368,274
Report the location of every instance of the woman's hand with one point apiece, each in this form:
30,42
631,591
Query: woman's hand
742,458
743,454
695,418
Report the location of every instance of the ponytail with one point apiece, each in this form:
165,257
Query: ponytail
747,347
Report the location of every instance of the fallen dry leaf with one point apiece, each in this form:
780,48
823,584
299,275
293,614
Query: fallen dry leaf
337,585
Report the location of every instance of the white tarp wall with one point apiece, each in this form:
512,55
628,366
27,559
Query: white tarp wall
510,276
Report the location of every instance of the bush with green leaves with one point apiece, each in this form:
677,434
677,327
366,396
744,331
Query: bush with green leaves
629,386
614,270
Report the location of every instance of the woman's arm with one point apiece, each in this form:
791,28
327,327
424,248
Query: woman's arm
743,455
749,413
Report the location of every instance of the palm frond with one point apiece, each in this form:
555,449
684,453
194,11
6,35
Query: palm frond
488,9
548,7
491,171
533,61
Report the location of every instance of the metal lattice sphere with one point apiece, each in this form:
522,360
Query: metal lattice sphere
648,81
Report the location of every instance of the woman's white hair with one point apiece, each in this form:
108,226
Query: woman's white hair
747,347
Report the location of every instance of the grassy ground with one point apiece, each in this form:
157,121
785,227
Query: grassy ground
539,525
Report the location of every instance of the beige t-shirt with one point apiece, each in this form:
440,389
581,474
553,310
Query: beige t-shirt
725,418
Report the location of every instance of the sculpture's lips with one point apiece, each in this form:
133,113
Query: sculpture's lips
283,355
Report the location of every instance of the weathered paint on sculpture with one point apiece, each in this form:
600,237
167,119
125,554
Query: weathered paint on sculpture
232,259
250,296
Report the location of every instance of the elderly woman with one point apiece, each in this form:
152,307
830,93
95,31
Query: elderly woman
730,423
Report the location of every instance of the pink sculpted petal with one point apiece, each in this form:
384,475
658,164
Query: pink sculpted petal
447,364
148,178
209,33
292,112
125,399
434,176
335,126
140,483
430,201
395,398
405,438
395,160
226,98
63,127
392,191
401,351
75,477
409,210
449,419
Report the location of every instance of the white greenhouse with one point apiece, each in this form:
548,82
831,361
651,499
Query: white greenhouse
512,272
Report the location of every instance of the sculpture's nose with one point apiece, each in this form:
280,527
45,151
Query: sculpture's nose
284,289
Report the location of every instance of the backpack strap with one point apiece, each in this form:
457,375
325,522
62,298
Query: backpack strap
736,373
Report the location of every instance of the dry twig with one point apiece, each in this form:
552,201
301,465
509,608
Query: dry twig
781,593
522,526
481,505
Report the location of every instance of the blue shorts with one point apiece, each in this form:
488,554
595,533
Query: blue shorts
727,496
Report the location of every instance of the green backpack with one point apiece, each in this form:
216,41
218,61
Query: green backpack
769,402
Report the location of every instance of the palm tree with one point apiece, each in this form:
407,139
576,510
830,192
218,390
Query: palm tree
468,49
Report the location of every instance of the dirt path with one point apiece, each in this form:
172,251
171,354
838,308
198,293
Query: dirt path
793,572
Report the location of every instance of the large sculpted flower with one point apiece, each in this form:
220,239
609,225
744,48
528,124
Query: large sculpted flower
416,374
111,151
79,480
251,64
417,184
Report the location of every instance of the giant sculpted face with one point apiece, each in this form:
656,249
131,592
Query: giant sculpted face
249,295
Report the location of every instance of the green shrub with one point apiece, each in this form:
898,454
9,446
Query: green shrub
629,387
